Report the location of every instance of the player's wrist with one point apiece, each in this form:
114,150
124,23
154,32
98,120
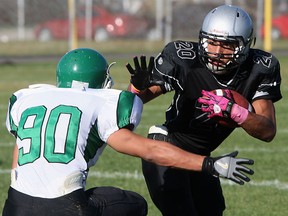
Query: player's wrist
135,90
228,109
208,165
239,114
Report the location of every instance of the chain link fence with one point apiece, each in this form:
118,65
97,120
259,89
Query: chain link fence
43,20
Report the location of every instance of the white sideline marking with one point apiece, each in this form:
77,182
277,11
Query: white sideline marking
263,149
136,175
273,183
113,175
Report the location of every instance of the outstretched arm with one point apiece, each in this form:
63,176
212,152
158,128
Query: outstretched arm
159,152
165,154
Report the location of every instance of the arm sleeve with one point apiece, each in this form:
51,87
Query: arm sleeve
10,122
269,87
119,113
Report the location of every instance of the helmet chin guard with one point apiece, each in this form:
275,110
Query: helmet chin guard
108,83
228,24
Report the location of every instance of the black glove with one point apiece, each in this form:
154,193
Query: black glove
140,76
228,166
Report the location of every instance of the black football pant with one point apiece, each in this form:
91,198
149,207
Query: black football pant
178,192
104,201
183,193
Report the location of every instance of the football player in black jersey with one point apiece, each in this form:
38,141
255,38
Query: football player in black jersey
222,59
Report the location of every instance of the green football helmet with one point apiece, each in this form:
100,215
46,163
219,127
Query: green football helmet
85,68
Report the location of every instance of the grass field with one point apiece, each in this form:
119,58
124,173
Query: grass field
265,195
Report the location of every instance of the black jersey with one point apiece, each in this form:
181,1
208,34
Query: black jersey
178,68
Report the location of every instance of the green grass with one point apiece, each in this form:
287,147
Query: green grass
31,48
265,195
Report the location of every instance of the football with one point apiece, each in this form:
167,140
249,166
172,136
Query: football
240,100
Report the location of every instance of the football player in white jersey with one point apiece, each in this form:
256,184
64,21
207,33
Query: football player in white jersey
61,132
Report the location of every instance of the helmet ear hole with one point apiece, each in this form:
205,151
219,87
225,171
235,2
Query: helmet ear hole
82,67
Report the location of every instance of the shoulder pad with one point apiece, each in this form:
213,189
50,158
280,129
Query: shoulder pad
181,50
172,64
264,62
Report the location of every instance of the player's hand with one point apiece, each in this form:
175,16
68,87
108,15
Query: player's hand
228,166
216,105
140,76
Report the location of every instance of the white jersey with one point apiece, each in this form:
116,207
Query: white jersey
61,132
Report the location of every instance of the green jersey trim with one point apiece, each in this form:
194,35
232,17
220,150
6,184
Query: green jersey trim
93,143
13,127
124,108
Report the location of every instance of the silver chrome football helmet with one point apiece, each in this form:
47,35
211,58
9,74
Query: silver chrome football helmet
229,24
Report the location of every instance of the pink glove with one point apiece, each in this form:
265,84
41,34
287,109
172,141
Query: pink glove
222,106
